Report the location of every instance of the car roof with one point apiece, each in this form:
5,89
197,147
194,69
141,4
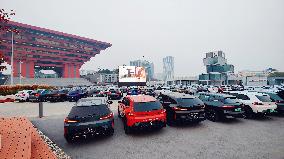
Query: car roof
179,95
219,94
142,98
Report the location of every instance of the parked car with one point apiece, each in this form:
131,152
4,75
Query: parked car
114,94
75,95
182,108
221,106
23,96
278,100
255,103
39,95
149,91
57,96
98,93
89,117
141,112
133,91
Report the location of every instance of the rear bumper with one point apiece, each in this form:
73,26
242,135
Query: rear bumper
73,98
149,125
191,116
88,129
234,114
152,120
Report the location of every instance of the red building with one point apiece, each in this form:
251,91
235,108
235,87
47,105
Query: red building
38,48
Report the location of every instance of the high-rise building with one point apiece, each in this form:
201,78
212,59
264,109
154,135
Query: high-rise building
218,72
149,67
168,68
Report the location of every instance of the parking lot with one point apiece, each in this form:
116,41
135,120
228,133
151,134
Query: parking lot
254,138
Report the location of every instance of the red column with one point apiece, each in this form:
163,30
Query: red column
31,69
65,70
77,71
23,70
72,70
15,69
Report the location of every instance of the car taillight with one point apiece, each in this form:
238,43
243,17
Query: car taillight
107,117
37,94
66,120
130,114
177,108
228,106
257,103
23,94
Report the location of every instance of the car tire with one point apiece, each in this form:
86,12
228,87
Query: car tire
68,138
118,113
127,129
213,115
170,119
110,132
248,112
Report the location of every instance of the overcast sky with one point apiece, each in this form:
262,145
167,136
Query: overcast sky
250,32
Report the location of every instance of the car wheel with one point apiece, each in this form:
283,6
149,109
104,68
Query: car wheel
69,139
118,112
127,129
170,119
110,132
248,112
213,115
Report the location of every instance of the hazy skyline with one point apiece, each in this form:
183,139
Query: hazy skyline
250,32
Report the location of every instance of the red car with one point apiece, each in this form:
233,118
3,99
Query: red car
141,112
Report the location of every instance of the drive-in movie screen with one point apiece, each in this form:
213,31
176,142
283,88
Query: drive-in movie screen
132,75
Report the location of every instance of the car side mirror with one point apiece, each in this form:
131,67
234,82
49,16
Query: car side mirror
109,102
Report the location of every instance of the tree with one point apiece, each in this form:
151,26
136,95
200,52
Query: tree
276,74
4,19
2,60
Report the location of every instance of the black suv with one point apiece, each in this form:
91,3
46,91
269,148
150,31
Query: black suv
220,106
89,117
57,96
181,108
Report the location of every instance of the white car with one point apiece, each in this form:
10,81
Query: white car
255,103
23,96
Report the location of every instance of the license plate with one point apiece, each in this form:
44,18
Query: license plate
238,109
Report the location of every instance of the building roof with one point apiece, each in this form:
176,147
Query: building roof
57,33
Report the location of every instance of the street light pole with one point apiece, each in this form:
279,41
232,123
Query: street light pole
12,59
20,71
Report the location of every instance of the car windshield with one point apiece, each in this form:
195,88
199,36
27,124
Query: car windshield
231,100
189,102
264,98
79,111
147,106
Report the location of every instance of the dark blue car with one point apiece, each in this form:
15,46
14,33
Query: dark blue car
75,95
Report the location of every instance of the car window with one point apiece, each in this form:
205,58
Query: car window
189,102
231,100
275,97
264,98
84,111
147,106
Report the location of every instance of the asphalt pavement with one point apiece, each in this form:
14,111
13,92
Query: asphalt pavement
234,138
